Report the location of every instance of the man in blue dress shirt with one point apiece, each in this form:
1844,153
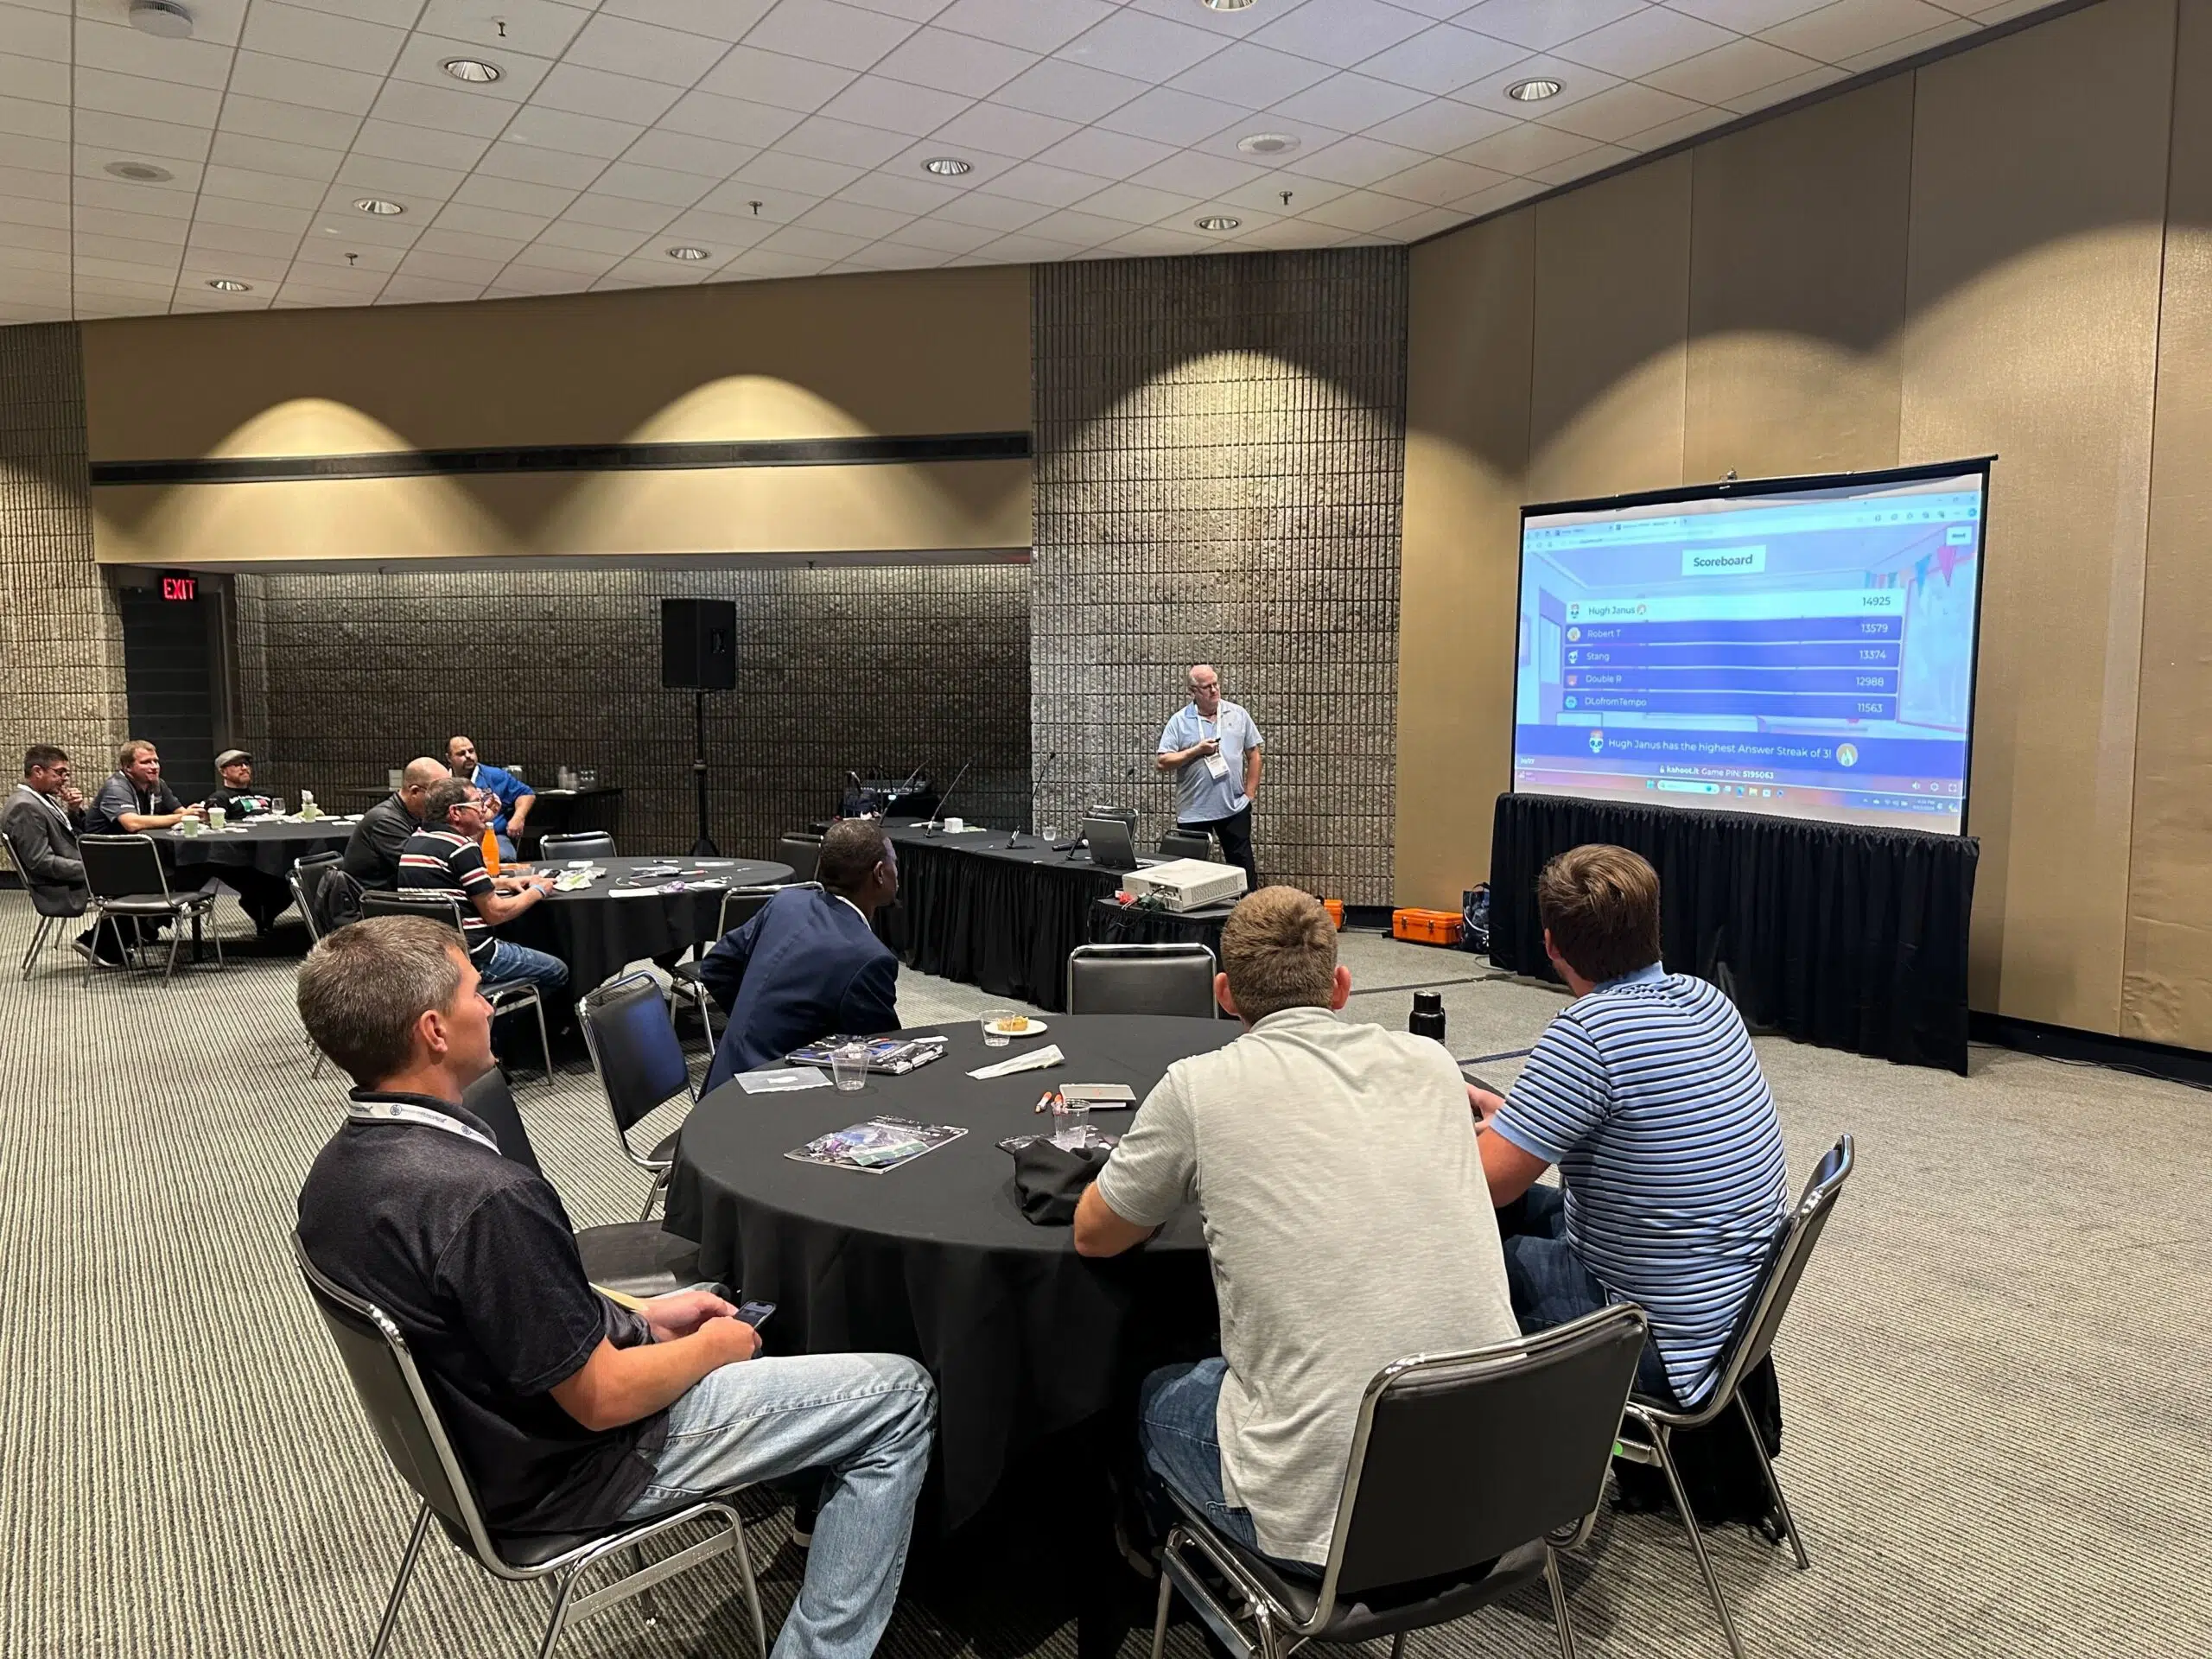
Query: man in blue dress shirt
515,797
809,965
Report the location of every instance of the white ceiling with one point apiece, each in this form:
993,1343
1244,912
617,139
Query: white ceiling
786,136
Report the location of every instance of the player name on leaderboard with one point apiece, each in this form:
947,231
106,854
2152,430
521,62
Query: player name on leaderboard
1779,656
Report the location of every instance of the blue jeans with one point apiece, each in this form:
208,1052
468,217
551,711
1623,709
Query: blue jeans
1176,1432
506,848
865,1421
518,964
1548,1283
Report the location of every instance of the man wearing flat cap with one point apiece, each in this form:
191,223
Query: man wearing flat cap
237,796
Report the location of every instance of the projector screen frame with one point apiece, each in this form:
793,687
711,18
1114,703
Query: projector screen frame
1730,488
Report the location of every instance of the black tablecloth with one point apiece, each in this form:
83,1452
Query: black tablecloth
971,909
598,934
269,847
1850,938
934,1259
1113,923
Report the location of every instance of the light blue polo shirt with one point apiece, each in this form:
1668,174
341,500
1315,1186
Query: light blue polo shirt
1201,797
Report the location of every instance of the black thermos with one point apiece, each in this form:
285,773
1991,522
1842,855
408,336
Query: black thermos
1427,1018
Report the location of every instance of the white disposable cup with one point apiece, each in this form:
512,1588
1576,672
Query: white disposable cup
217,817
954,826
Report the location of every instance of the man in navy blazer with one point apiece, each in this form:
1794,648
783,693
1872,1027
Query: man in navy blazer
810,966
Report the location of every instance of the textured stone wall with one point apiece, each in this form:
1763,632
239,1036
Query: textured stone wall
60,640
872,667
1220,464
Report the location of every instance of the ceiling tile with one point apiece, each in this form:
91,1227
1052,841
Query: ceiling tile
490,222
1106,155
733,120
645,50
662,185
1591,161
115,222
1132,43
404,104
894,106
542,27
1001,214
535,166
237,238
1736,70
1440,126
580,135
1067,91
610,239
255,216
775,78
1078,228
90,190
1440,181
1156,240
899,192
828,32
425,146
36,78
293,123
1890,51
1746,16
1138,204
452,266
398,14
406,182
512,196
419,290
1619,111
1034,25
821,245
1290,233
20,211
129,52
618,213
576,262
1782,91
1681,127
1196,173
1442,59
317,86
1354,161
1022,248
761,263
820,138
717,232
200,262
915,11
995,131
1359,210
1524,149
609,97
324,37
1427,222
191,106
683,152
335,261
724,20
250,185
784,175
19,264
1251,76
469,244
944,236
1848,27
1054,187
1265,195
954,63
1349,103
273,156
850,219
1340,33
1541,23
126,135
1650,39
1174,117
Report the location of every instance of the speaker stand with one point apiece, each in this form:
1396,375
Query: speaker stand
704,847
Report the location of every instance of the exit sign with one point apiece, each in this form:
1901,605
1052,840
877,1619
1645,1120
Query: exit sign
183,589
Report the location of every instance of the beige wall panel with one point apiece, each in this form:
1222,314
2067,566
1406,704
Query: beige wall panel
2039,182
2167,994
1797,264
899,353
885,508
1466,446
1611,309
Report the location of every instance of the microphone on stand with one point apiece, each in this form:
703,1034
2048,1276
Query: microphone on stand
937,818
1036,782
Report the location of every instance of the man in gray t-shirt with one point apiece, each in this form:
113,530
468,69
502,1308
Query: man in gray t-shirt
1346,1215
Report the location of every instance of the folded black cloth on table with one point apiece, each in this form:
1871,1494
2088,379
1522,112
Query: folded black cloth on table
1049,1180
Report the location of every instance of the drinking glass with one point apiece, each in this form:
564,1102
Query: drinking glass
848,1067
993,1037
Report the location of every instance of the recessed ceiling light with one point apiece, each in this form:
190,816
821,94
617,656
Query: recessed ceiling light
1267,144
139,172
379,207
163,17
1533,92
1218,222
687,252
1226,5
475,71
229,285
947,166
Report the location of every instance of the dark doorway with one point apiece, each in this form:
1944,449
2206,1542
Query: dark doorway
172,656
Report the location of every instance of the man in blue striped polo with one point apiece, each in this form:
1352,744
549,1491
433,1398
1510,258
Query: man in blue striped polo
1646,1094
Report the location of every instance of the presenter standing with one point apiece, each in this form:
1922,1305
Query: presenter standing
1213,748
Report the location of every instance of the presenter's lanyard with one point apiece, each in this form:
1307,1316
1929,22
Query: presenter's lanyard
393,1111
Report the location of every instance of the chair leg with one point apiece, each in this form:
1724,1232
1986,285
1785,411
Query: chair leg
1659,1439
752,1589
545,1043
1766,1467
176,938
636,1554
654,1194
38,943
1160,1618
315,1071
1566,1629
553,1626
1398,1646
399,1584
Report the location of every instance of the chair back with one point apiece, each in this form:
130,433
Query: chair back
1457,1459
582,843
45,900
491,1099
1793,1247
305,880
635,1049
399,1408
1183,843
438,909
123,866
1141,979
803,853
742,905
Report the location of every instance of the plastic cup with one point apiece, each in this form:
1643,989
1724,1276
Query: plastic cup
848,1067
217,817
993,1037
1070,1124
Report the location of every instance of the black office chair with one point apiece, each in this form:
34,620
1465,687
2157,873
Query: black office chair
802,852
129,884
305,879
504,999
740,906
1651,1424
636,1258
1185,844
1463,1467
583,843
639,1060
50,904
1141,979
399,1407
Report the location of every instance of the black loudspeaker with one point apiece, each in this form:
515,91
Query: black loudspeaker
698,645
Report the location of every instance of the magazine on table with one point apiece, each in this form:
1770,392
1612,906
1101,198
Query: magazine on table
893,1055
877,1144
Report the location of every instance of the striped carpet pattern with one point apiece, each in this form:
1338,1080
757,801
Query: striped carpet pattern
1995,1439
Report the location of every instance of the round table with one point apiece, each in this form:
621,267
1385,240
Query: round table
269,845
934,1259
621,917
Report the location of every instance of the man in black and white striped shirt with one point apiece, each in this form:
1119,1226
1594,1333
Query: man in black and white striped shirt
445,858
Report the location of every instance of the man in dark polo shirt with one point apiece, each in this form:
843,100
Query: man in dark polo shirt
568,1413
373,851
444,858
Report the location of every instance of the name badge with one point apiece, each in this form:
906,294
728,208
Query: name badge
1218,765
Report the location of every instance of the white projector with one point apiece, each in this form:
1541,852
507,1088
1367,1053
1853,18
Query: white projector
1186,883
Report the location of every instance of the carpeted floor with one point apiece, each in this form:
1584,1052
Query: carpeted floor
1995,1439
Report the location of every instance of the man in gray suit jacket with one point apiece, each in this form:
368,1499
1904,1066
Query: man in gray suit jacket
43,818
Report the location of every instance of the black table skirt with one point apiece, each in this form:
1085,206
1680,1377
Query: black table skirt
1025,1338
270,848
972,910
1113,923
598,935
1850,938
